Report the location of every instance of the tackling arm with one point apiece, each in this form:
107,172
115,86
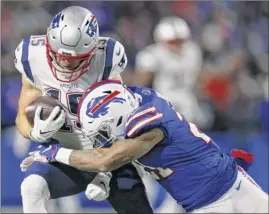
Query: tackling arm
119,154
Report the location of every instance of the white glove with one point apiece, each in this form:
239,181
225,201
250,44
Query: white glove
45,129
98,189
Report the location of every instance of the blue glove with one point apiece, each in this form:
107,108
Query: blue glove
49,150
45,153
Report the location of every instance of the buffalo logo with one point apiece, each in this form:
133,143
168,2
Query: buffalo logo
99,106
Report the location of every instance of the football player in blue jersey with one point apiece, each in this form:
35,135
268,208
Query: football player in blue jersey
138,124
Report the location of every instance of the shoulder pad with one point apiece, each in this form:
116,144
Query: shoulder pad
116,59
143,119
21,59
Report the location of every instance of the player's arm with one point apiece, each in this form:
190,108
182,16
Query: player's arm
28,94
108,159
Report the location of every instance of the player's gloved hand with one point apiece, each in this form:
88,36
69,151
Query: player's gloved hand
45,129
98,189
35,156
46,151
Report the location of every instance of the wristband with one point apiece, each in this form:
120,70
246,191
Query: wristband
63,155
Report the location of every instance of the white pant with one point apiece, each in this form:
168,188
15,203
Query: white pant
245,196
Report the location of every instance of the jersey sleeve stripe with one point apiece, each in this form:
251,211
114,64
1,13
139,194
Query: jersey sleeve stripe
180,117
144,122
109,58
25,59
140,114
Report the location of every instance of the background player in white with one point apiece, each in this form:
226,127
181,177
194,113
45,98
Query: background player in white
171,65
185,161
63,64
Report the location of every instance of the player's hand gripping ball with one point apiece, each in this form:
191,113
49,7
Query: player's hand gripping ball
47,116
48,103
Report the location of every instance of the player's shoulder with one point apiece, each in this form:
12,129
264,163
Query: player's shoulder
149,114
114,49
29,50
36,43
115,56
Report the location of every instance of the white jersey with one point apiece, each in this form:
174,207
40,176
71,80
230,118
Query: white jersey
31,61
175,73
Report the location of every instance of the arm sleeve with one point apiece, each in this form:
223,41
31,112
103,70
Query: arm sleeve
119,61
116,59
21,60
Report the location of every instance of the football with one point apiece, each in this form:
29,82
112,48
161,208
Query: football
47,102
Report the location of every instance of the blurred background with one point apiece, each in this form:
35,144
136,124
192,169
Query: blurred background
219,80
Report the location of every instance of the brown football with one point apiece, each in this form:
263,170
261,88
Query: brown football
47,102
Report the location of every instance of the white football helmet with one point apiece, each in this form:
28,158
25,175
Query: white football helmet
72,40
171,28
103,111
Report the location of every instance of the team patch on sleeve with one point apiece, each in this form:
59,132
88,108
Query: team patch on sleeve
145,118
21,59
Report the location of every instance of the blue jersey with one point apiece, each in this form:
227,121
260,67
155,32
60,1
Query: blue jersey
187,163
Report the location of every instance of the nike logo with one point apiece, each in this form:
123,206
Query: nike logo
47,149
239,185
118,53
46,132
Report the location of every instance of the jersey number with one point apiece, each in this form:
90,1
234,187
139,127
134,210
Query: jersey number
38,40
195,130
72,103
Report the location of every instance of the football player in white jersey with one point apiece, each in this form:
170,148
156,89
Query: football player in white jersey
63,64
171,65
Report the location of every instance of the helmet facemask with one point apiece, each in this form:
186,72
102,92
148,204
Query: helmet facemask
75,66
103,136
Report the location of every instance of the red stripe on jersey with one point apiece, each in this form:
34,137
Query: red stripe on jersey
140,114
105,100
144,122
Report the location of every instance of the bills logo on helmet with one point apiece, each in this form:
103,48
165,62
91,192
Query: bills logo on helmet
92,28
56,20
99,106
